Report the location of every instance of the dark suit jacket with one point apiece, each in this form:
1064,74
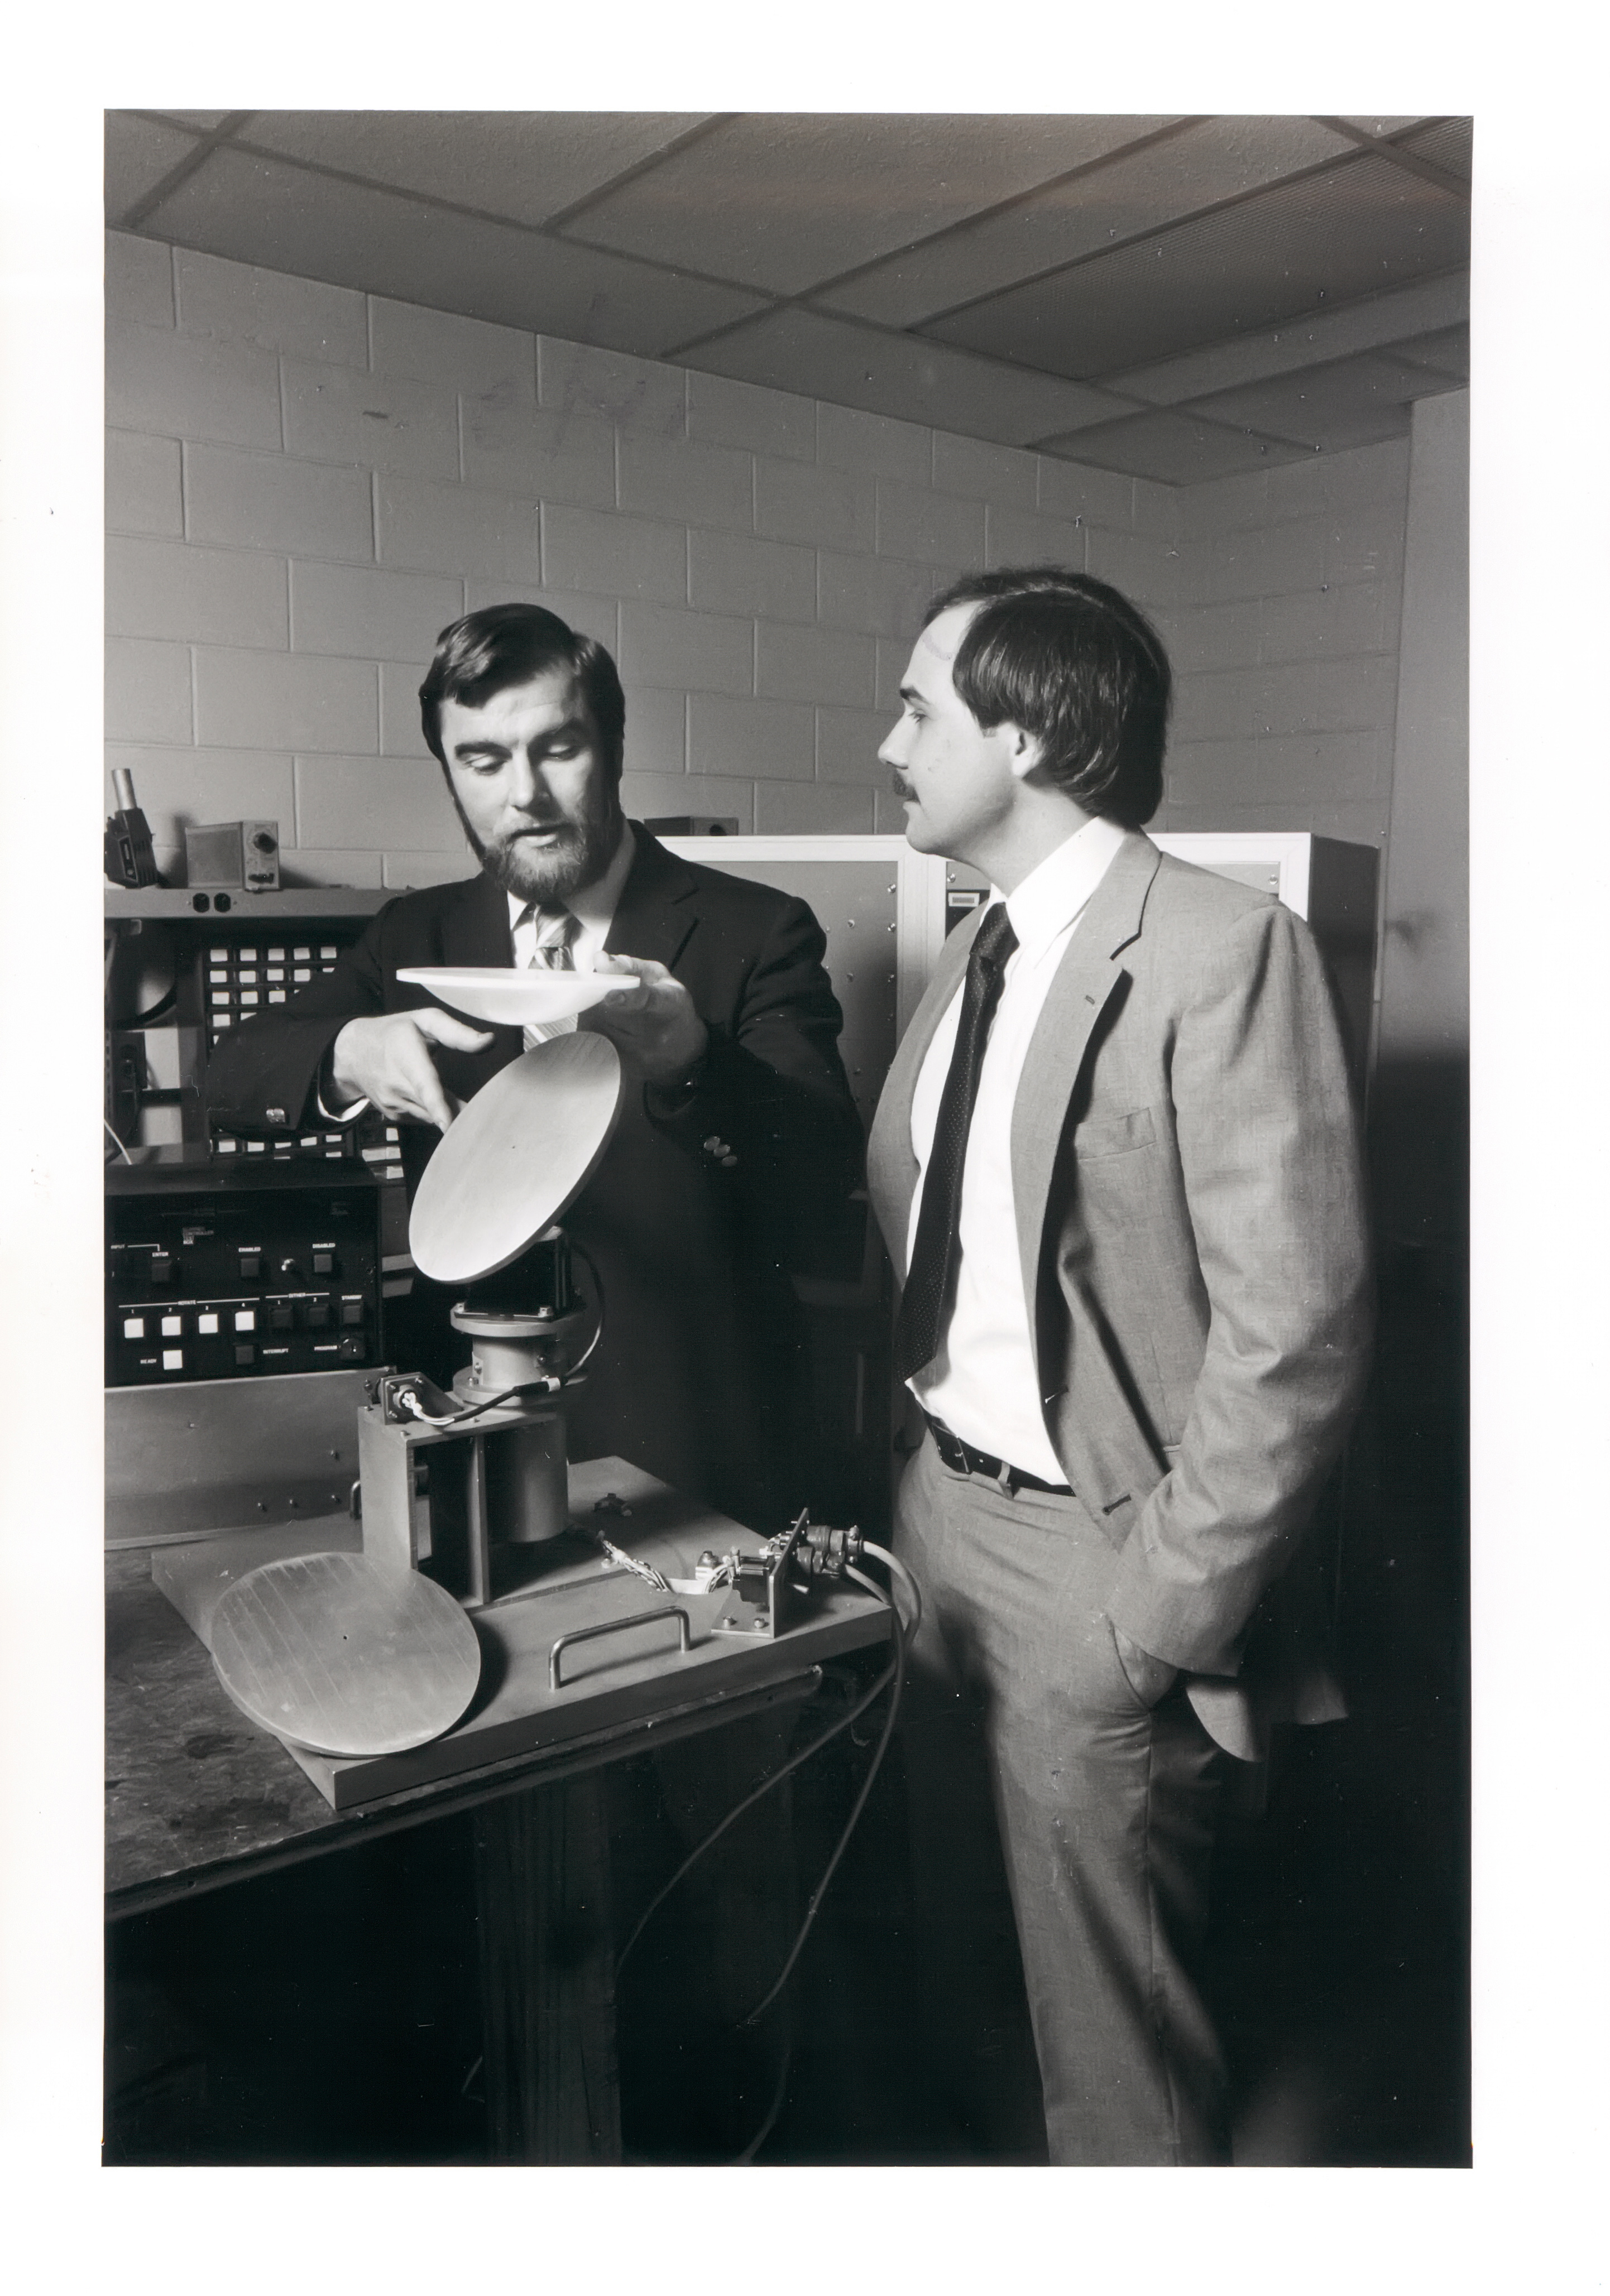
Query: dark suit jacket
697,1374
1191,1225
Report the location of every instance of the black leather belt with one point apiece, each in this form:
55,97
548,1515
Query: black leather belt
962,1459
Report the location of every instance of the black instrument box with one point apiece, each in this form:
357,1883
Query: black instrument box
236,1271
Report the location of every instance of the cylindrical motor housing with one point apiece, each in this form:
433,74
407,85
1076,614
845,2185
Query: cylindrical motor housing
526,1486
518,1342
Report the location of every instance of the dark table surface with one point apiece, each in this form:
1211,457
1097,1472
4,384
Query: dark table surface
198,1796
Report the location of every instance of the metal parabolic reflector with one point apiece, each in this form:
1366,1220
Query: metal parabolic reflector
517,1156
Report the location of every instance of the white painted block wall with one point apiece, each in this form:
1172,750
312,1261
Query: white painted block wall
305,483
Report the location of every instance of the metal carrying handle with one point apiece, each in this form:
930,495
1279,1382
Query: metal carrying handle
618,1627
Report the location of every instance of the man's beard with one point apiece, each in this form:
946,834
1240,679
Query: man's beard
580,853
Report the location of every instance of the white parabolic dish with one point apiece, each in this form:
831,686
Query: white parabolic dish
511,997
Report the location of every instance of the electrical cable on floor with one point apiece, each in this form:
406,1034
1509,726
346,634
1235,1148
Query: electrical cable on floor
116,1144
745,2159
894,1673
820,1891
783,1770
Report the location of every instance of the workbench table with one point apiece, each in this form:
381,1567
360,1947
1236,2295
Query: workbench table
198,1798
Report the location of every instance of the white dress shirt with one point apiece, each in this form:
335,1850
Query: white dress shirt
594,908
982,1381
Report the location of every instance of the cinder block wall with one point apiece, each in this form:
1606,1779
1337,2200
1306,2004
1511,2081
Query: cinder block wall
1285,633
305,483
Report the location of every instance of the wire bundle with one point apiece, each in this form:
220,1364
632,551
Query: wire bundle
902,1634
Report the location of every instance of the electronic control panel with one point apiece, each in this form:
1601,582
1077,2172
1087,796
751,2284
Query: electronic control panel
238,1272
246,970
184,969
245,973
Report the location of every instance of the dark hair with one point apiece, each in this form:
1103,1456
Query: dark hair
1069,660
499,646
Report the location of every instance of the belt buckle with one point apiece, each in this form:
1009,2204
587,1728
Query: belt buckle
1006,1481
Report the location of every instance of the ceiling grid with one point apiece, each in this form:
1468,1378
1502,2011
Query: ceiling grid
1170,297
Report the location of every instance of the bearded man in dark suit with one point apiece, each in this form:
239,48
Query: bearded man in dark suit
738,1142
737,1147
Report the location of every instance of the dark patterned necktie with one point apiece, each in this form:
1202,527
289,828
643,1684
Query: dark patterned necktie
935,1255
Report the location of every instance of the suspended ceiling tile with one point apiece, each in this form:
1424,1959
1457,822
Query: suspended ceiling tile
525,165
1449,144
1364,423
203,122
1446,352
1346,403
1172,448
1392,317
781,200
917,382
268,212
138,155
1128,194
1297,249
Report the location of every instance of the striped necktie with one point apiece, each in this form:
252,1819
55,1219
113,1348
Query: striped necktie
556,930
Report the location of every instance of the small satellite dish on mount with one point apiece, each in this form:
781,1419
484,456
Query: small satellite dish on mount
516,1158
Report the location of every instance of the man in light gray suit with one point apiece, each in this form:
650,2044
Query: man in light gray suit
1116,1166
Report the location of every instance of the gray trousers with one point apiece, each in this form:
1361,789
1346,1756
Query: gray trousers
1035,1772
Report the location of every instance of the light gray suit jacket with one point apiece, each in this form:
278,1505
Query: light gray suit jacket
1190,1217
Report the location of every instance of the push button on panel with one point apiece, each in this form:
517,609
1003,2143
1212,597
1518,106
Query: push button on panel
280,1318
251,1266
323,1263
352,1311
162,1266
318,1315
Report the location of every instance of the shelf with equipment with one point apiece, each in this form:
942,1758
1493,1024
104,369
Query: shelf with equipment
181,969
